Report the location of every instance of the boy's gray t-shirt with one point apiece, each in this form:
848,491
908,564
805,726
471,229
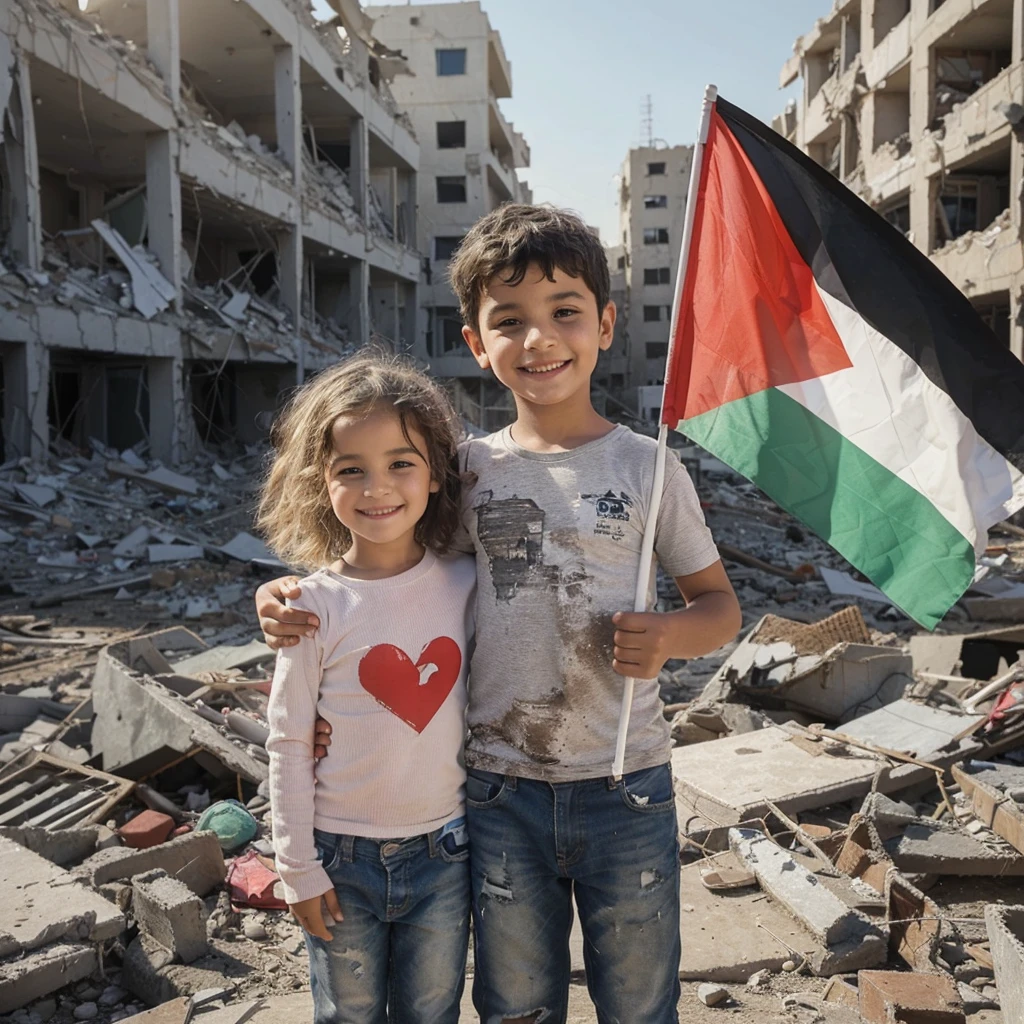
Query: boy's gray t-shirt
557,542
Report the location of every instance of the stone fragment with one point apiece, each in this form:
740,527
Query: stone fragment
171,913
712,995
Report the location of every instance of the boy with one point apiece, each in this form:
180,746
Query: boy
554,507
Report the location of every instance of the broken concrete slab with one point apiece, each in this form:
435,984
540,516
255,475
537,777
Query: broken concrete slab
975,655
794,772
162,724
1005,925
133,544
36,494
175,1011
893,996
168,911
194,858
225,658
151,291
727,938
992,788
915,923
918,730
41,903
168,480
25,979
828,670
157,553
246,548
940,848
851,940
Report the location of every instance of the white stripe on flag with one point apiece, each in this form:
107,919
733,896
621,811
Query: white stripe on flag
886,406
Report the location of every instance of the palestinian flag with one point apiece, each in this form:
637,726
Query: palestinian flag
821,355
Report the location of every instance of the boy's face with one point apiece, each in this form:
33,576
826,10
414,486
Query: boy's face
541,338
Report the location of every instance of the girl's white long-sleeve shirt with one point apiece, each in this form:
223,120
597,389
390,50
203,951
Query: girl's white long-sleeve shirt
387,668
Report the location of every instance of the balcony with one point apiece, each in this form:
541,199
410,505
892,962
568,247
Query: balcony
499,71
889,55
505,140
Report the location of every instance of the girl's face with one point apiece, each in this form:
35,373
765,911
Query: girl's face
378,482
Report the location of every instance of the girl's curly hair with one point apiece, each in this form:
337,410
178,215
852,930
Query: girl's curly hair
294,511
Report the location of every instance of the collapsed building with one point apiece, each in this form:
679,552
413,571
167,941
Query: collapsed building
916,106
203,202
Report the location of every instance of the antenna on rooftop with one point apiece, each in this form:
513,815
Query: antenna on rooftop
647,122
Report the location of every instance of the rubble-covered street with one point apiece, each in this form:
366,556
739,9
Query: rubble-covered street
850,790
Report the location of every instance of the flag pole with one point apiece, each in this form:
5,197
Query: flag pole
643,577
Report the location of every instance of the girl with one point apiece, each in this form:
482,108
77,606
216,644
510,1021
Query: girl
365,482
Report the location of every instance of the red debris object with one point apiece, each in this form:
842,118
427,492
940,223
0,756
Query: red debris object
150,828
181,830
251,883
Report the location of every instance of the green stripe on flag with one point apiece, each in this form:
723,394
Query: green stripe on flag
875,520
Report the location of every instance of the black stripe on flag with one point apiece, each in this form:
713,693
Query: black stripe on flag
861,259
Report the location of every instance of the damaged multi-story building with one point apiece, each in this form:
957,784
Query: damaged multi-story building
469,156
916,105
653,183
204,202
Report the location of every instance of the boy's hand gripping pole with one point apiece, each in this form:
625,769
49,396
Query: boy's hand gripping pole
643,580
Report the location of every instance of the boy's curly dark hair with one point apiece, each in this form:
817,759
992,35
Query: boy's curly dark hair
512,237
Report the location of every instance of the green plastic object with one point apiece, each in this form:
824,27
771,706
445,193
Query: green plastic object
232,823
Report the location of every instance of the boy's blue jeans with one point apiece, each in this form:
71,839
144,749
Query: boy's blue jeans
400,953
615,846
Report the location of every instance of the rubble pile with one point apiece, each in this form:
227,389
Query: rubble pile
850,791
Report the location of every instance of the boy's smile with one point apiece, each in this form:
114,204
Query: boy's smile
541,337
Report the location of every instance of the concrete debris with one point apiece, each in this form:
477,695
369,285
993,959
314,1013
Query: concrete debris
1005,925
169,912
712,995
850,939
891,996
933,734
828,670
996,792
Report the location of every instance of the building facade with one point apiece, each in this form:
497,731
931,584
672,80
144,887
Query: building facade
469,155
652,208
916,105
203,202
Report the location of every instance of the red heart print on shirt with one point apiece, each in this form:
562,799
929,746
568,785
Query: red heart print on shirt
413,692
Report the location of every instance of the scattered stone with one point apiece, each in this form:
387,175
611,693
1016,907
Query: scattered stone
760,981
712,995
86,1011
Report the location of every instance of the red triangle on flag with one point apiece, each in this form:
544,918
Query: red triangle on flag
751,315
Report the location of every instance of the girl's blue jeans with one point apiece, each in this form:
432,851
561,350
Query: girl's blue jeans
399,956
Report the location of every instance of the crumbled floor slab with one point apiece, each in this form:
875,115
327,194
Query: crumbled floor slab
41,903
171,913
851,940
729,937
1005,927
195,859
59,846
727,781
28,978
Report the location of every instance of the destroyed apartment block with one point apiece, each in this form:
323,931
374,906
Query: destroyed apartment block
917,108
206,206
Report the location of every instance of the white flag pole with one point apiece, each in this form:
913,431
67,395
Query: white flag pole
643,577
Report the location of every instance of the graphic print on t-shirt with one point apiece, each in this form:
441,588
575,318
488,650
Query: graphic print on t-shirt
412,691
511,531
612,511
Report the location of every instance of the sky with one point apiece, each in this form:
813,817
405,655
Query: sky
582,69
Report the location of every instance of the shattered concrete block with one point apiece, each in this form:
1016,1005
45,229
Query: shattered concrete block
195,859
840,992
1005,927
991,788
915,927
890,997
148,971
851,939
40,973
922,731
171,913
41,903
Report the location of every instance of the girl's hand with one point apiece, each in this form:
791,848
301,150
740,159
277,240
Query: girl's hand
310,914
